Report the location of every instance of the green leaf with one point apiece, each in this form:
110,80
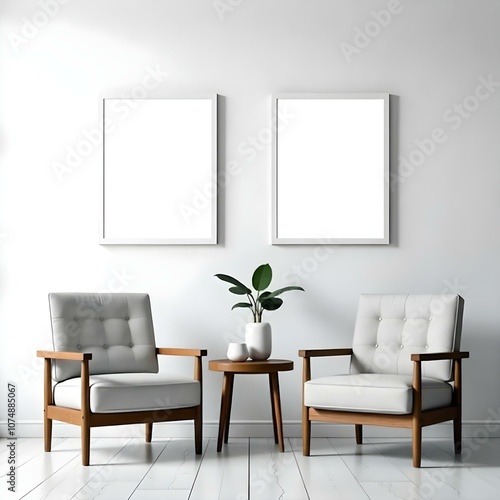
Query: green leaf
233,281
264,296
241,304
262,277
281,290
238,290
271,304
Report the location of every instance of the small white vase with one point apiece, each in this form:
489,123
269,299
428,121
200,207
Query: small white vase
258,337
237,351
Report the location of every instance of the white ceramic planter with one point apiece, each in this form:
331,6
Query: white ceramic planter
258,337
237,351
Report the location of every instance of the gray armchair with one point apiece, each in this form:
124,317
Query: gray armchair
405,369
105,368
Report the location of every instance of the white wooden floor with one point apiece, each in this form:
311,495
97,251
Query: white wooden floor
253,468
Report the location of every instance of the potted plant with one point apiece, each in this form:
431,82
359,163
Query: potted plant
258,334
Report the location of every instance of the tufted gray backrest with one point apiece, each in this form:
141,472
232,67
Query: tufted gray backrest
117,328
389,328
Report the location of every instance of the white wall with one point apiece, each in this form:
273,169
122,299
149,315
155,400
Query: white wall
445,210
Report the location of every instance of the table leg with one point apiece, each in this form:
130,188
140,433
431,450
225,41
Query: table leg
224,407
229,404
275,389
273,411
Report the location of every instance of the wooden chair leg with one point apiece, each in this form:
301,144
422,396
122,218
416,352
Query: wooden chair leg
359,433
47,433
417,414
198,421
149,431
457,435
306,423
198,431
47,422
85,444
457,393
85,412
417,443
306,432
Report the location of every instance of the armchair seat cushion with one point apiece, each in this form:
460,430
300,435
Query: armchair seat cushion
374,393
128,392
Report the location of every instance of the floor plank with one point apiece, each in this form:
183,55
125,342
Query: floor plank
26,449
365,462
38,471
443,475
121,475
325,474
64,474
160,495
274,475
175,469
386,490
224,475
129,468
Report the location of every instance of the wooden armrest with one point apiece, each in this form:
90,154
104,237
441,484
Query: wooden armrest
71,356
176,351
435,356
314,353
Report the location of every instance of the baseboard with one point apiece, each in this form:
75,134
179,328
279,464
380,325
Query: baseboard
478,429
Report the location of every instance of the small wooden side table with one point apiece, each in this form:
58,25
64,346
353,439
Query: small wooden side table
230,368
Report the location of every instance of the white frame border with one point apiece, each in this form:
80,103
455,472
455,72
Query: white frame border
275,239
212,240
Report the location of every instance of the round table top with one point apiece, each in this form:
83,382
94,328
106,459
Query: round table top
250,366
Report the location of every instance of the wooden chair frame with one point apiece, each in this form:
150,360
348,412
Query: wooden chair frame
415,420
86,419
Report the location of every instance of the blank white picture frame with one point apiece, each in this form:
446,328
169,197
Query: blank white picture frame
330,180
159,178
